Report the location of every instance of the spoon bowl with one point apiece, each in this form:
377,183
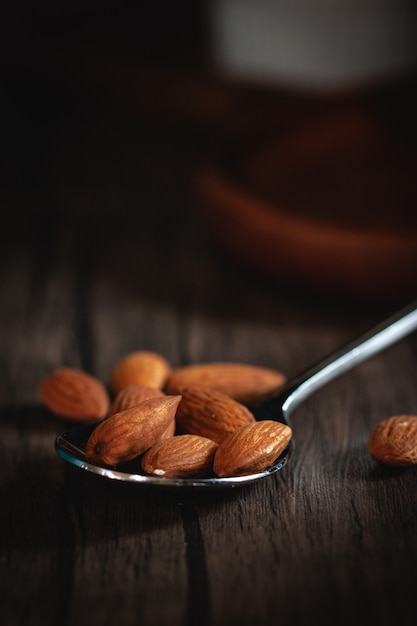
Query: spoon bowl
70,444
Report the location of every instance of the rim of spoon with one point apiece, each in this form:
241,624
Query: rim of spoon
70,446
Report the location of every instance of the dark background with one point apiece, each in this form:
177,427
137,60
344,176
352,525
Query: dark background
50,56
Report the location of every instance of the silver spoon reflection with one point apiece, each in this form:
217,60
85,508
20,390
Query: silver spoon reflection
70,444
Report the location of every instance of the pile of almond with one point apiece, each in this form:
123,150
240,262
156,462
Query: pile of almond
189,422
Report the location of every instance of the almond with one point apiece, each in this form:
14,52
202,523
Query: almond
183,456
243,382
126,435
210,413
73,394
394,441
133,394
143,368
253,448
170,430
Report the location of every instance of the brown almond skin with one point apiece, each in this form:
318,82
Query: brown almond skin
251,449
142,368
170,430
128,434
210,413
133,394
183,456
242,382
394,441
71,393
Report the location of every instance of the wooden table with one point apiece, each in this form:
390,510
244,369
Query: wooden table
103,251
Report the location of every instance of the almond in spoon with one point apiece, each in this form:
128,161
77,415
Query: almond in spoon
252,448
134,394
129,433
243,382
210,413
183,456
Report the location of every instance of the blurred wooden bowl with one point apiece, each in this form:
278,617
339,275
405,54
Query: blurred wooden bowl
330,208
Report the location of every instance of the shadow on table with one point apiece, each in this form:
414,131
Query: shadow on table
46,501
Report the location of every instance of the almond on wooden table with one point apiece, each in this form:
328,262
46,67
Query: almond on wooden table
127,434
71,393
243,382
183,456
210,413
141,367
394,441
252,448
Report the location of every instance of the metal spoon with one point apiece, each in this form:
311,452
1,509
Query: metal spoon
70,444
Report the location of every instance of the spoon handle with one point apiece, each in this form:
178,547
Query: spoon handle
386,333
